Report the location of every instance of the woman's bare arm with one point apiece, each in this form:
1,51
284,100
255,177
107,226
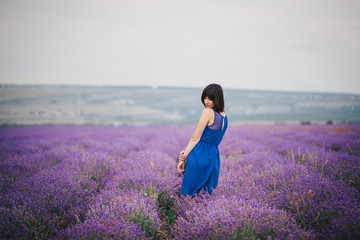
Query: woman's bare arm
204,120
206,116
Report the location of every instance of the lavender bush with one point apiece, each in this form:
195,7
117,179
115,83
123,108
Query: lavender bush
276,182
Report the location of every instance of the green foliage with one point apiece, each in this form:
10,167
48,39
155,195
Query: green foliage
299,158
335,147
146,224
166,208
248,233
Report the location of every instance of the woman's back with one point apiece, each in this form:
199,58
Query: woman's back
214,133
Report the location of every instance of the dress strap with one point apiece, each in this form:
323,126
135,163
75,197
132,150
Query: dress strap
214,118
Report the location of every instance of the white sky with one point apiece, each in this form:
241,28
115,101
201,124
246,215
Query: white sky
297,45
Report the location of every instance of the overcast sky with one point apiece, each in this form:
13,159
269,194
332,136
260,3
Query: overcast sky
297,45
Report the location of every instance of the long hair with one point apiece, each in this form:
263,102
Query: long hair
215,93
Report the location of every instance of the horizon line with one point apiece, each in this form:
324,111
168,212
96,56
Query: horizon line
154,87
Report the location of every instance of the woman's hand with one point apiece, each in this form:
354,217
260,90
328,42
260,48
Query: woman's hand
182,156
181,164
181,167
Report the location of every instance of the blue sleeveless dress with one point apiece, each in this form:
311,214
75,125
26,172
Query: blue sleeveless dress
203,163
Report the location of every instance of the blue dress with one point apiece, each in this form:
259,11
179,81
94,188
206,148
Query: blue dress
203,163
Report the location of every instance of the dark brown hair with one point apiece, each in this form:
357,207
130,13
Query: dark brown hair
215,93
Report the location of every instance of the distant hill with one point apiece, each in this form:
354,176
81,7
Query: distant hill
92,105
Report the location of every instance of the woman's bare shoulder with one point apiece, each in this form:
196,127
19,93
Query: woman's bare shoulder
207,111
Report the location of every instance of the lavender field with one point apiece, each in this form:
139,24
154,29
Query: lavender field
276,182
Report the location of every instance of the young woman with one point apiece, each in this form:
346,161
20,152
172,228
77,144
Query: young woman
200,161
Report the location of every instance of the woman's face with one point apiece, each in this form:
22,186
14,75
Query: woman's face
208,102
